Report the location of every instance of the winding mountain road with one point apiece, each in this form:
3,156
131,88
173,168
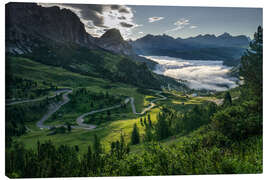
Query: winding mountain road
37,99
52,110
80,121
152,104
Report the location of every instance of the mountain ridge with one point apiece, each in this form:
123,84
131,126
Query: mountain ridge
204,47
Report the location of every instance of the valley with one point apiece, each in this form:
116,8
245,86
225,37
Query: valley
80,105
59,113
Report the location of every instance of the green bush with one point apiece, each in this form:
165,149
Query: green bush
238,122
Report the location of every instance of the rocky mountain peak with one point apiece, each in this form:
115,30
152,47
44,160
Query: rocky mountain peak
112,40
225,35
112,35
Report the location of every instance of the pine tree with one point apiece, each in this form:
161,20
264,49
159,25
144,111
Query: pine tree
141,121
148,136
88,157
135,136
149,117
97,145
92,104
77,148
144,121
227,99
162,128
251,68
149,123
69,127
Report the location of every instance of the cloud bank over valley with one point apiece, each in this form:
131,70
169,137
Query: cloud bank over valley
210,75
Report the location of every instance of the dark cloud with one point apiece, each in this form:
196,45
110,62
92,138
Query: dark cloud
123,10
90,12
122,18
96,18
93,12
124,24
114,7
94,7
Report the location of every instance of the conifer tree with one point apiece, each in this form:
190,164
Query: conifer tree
141,121
144,121
135,136
97,145
162,128
251,68
149,117
148,136
149,123
227,99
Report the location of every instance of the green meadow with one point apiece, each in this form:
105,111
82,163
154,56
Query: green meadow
122,120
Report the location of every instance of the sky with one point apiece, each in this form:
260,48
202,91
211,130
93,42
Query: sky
137,21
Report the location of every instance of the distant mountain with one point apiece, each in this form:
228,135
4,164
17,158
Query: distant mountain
113,41
204,47
150,43
224,40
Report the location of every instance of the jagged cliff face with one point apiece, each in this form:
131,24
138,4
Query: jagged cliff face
112,40
28,25
28,22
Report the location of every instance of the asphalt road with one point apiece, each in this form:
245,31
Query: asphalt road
80,120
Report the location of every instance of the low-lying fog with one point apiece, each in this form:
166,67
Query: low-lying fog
211,75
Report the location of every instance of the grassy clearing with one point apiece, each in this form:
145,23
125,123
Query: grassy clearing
180,101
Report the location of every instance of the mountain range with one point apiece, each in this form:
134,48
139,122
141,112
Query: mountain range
203,47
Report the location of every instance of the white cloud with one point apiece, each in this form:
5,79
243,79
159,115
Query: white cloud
210,75
154,19
141,32
193,27
126,26
180,24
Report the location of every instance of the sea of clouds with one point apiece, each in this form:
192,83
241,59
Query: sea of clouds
210,75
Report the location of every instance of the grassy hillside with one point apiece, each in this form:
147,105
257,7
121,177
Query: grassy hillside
31,70
106,131
97,63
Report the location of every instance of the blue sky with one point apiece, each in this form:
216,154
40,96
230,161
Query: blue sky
137,21
199,20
